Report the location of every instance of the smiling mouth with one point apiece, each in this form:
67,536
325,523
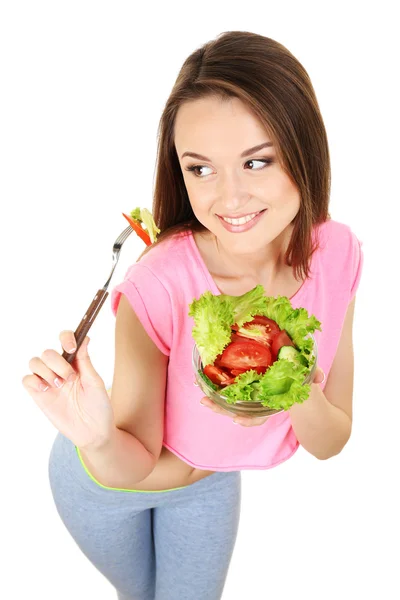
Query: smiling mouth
241,220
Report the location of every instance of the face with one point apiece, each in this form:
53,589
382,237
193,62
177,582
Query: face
243,197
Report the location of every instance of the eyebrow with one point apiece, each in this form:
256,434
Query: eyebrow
243,155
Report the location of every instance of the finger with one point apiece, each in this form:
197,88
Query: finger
35,384
43,398
319,376
237,419
83,353
250,421
53,368
68,341
206,401
42,373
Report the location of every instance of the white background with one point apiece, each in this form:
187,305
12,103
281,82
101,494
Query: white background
83,85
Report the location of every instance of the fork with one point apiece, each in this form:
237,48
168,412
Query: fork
98,300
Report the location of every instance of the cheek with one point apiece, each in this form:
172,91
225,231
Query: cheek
284,193
200,199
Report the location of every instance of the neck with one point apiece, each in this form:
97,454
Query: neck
261,265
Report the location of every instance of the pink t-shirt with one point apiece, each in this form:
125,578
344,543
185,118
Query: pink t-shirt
160,288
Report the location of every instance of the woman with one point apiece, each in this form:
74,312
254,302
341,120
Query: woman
148,481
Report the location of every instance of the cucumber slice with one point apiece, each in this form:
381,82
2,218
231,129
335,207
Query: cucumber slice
289,353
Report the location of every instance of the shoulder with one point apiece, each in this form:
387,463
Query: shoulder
162,260
334,231
336,239
148,286
340,253
166,256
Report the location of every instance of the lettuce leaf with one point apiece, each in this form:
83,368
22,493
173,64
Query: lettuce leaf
213,318
282,385
279,388
295,321
243,389
135,214
248,305
144,216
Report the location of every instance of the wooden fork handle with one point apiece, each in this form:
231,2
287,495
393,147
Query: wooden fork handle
86,323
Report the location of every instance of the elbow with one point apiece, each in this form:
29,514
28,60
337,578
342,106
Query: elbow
324,453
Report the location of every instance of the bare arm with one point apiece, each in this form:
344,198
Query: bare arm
322,424
137,397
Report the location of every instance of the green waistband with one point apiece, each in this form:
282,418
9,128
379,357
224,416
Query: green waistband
122,489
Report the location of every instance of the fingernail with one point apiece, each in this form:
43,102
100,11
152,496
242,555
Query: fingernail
58,383
71,350
43,387
234,422
202,403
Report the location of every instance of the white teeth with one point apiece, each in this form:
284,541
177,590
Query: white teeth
241,220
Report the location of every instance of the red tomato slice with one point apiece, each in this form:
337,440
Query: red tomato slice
267,327
235,337
265,338
217,376
260,320
245,355
260,370
227,382
216,361
236,372
282,339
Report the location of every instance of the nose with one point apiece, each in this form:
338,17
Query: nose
231,192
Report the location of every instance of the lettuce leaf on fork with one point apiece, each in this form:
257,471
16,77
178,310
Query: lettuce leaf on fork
142,215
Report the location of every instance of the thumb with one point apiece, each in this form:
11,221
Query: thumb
83,365
319,376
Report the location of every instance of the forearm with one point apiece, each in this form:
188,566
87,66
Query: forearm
321,428
121,462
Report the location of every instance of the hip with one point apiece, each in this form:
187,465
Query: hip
171,472
67,470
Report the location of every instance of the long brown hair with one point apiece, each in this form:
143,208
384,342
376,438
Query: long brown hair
275,86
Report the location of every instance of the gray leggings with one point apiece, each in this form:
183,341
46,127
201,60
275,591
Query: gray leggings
167,545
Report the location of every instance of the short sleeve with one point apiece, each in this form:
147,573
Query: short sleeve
357,261
151,303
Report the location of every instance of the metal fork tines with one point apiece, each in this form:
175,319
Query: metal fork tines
116,250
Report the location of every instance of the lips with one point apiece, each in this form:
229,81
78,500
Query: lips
238,228
242,219
255,212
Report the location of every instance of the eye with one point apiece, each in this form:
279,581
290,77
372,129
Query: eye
264,161
195,169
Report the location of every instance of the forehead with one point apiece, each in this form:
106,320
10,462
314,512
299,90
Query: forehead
206,124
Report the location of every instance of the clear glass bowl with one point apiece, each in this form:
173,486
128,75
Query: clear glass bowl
251,409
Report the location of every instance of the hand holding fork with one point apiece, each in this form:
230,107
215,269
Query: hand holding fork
74,398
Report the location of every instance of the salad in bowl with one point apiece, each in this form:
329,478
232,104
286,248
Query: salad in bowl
253,354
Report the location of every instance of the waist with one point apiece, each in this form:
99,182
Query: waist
171,472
